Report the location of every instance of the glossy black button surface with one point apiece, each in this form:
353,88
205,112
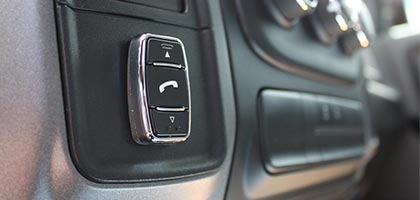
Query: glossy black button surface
167,87
167,51
167,123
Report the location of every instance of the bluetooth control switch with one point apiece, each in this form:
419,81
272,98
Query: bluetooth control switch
166,87
158,90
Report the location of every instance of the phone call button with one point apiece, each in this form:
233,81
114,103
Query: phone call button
166,87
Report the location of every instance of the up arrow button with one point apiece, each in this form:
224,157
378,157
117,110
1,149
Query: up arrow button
166,51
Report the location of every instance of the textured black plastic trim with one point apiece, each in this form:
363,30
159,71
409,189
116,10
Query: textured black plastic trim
295,135
195,13
94,50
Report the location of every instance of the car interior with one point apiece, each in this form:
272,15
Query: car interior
209,99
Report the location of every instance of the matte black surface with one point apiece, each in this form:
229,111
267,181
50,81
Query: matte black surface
299,129
340,129
94,50
398,174
195,13
283,128
159,50
174,94
170,122
172,5
310,103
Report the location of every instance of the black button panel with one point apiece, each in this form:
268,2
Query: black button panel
158,90
166,51
282,124
167,87
170,123
301,129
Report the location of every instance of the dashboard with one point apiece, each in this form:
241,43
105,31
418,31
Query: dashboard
197,99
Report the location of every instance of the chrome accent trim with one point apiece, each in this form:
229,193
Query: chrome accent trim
170,135
362,38
162,64
307,5
341,22
164,109
140,124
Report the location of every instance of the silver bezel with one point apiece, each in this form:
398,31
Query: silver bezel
138,106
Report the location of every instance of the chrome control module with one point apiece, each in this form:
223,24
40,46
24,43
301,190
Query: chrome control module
159,99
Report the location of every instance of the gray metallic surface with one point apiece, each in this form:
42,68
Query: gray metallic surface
34,155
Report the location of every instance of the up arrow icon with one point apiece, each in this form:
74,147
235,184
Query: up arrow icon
167,55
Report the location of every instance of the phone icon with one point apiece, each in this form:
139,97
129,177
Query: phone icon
172,83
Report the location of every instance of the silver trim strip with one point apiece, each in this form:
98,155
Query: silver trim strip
164,109
162,64
141,127
169,135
